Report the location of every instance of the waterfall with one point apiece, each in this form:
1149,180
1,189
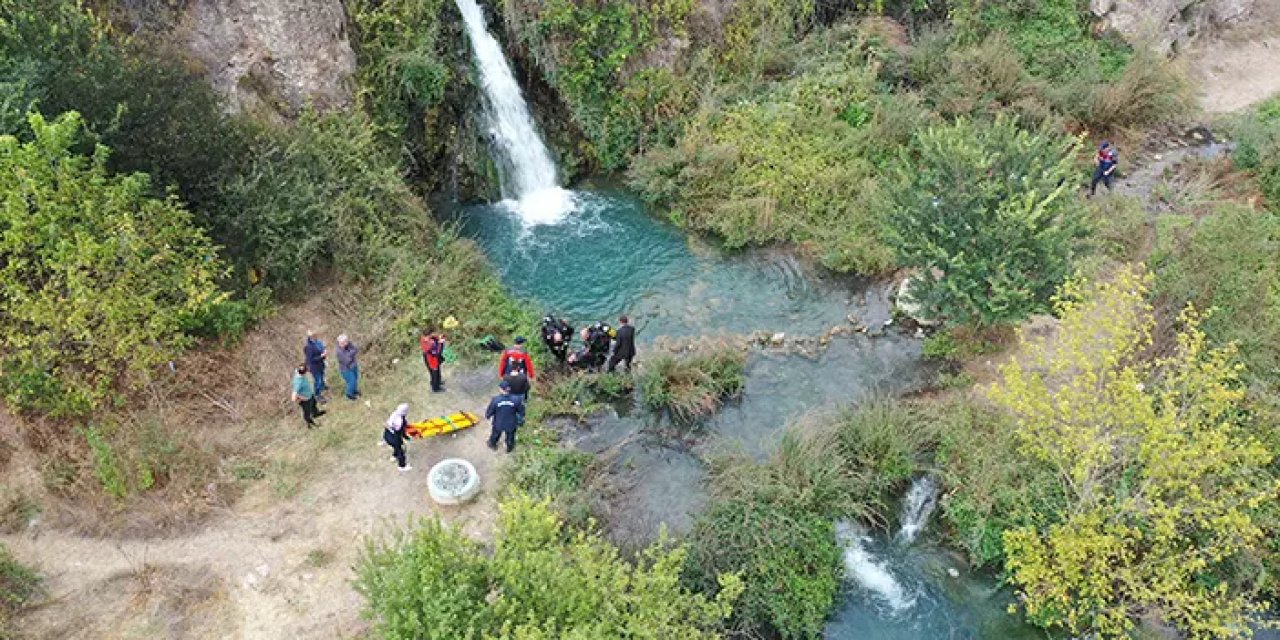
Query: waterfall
917,507
870,574
528,174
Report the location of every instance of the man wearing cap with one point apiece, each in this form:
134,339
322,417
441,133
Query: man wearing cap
505,414
1105,163
516,369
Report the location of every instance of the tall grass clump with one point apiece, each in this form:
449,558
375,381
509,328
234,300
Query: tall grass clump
19,585
775,519
695,386
774,522
1257,138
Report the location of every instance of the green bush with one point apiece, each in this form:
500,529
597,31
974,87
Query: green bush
886,443
157,114
1228,264
693,387
589,53
19,585
985,213
774,523
1257,139
135,266
541,581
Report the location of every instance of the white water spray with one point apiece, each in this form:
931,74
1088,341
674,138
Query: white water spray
528,173
917,507
870,574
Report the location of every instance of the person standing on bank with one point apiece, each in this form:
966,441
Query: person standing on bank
433,355
516,368
349,367
314,353
505,414
304,396
1105,163
624,345
394,435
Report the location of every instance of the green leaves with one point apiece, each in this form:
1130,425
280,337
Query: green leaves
542,581
97,275
1162,477
985,212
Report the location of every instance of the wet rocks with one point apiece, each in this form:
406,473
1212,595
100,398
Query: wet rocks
906,305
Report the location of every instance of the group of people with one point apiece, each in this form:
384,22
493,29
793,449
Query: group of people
308,390
557,334
603,347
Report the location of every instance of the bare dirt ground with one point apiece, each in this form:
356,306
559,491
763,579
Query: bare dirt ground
1241,66
276,562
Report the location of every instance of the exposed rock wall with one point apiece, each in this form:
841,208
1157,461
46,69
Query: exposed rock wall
272,56
1168,25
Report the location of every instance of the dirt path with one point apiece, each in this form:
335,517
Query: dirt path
271,567
1241,66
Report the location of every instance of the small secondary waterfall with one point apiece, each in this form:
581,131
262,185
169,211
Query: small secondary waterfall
917,507
528,172
870,574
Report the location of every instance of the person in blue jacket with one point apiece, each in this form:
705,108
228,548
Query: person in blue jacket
506,414
314,353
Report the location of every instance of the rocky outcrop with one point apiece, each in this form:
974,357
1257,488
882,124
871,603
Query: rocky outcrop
1167,25
273,56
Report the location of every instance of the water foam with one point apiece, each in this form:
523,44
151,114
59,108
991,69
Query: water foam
528,173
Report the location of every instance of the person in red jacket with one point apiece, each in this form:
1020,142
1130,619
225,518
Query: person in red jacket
433,355
516,368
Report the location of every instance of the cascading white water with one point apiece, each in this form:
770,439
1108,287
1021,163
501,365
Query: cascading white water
871,575
917,507
528,173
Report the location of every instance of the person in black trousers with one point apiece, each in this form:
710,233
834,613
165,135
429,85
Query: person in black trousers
395,436
624,345
506,414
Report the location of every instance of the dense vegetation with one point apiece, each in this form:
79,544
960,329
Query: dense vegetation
140,219
540,581
1123,468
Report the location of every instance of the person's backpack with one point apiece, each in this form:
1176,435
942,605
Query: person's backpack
515,364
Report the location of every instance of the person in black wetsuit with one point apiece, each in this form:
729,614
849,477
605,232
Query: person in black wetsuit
624,345
556,334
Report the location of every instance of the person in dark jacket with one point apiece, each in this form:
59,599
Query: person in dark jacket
314,353
433,355
505,414
624,345
394,435
349,367
1105,163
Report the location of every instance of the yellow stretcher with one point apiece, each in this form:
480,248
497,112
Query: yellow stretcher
443,424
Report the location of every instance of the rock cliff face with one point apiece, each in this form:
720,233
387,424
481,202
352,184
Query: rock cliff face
1168,25
272,56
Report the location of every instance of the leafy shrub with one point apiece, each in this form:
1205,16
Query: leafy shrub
134,266
693,387
1257,138
157,114
991,487
1228,264
541,582
785,166
1161,476
985,213
774,522
593,53
18,586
